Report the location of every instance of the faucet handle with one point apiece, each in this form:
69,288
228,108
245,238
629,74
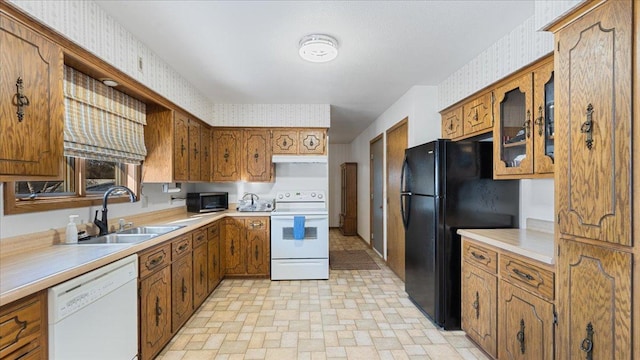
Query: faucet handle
123,225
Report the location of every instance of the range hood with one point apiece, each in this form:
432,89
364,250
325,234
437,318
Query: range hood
299,159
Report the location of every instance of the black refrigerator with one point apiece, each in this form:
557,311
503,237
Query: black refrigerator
448,186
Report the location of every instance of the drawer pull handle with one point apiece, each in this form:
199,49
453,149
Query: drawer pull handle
155,261
522,274
476,305
478,256
520,336
182,247
587,343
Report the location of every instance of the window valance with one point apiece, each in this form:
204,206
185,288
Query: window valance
102,123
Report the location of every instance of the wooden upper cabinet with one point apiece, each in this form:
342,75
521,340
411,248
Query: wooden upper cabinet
195,151
205,157
285,142
227,149
312,141
32,133
594,302
256,164
478,115
543,127
181,147
593,59
452,123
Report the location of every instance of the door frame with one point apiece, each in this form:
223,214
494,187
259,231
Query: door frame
371,207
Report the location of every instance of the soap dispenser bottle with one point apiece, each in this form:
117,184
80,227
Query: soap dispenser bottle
72,230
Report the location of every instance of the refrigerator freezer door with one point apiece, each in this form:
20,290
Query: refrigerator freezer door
420,169
420,256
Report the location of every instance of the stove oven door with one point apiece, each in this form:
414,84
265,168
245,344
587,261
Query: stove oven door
315,243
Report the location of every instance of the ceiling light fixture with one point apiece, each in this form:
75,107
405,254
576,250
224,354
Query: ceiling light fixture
110,82
318,48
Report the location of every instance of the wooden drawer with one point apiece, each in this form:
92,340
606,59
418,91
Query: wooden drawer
481,257
199,237
527,276
256,224
181,246
213,231
154,259
21,326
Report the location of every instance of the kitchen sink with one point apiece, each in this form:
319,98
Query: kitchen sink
152,229
132,236
117,238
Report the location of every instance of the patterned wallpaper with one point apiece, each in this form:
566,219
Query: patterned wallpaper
88,25
522,46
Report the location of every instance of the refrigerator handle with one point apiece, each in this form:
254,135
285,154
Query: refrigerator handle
403,185
405,203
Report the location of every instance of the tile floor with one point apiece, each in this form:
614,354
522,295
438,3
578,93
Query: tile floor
356,314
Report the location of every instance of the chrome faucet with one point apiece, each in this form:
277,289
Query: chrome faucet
253,197
102,224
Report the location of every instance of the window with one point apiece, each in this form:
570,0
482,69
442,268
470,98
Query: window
83,184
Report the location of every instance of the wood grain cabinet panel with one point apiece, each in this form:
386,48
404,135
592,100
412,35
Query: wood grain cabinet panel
258,246
181,147
227,158
594,117
205,158
527,276
247,246
195,151
525,329
478,115
594,296
154,259
312,141
155,312
200,275
479,307
452,126
233,230
181,291
23,328
32,140
213,256
256,163
480,256
285,142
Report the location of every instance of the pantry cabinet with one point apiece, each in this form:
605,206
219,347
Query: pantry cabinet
23,328
247,246
31,103
523,130
174,148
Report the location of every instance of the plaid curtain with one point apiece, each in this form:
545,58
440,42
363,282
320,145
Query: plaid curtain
102,123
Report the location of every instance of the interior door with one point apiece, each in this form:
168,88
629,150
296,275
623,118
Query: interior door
396,144
377,195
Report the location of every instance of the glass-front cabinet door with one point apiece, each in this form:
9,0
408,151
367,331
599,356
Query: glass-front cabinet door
513,142
543,133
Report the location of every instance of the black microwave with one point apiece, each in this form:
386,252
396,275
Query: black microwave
207,202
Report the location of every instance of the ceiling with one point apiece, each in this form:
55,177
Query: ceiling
246,52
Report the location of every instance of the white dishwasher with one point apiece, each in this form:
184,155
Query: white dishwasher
95,315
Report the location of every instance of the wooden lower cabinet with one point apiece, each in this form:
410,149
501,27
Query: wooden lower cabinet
181,291
213,256
526,325
200,275
594,302
155,312
247,246
23,328
479,310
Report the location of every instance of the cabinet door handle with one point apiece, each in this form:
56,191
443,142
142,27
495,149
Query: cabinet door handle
478,256
232,247
182,147
520,336
527,124
201,275
195,151
476,305
158,311
20,100
587,127
257,253
256,155
540,120
522,274
587,343
184,290
226,155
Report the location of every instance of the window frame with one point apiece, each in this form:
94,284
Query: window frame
80,198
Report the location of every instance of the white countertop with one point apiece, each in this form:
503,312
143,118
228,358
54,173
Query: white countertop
533,244
29,272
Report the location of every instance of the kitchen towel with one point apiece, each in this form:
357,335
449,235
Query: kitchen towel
298,227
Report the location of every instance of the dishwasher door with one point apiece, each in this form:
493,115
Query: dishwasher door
95,316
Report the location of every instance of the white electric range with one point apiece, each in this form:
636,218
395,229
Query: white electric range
306,258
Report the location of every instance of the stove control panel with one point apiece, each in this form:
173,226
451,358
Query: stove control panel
300,196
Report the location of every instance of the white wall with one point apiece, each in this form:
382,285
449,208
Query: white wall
420,106
338,154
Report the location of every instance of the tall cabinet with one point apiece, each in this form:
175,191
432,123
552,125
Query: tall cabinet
597,163
349,198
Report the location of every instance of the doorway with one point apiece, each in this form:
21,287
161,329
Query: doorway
376,151
396,144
